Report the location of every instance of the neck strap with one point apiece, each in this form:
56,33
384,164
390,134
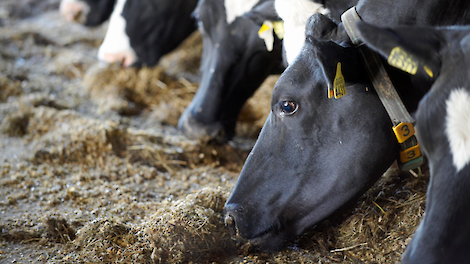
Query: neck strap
410,154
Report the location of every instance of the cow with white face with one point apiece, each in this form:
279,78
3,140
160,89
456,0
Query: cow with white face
235,61
87,12
141,32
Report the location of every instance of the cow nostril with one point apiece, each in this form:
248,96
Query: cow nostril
230,223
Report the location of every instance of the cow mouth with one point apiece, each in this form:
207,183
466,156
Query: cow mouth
271,239
266,233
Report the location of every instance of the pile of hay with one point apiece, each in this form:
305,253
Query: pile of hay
129,91
182,231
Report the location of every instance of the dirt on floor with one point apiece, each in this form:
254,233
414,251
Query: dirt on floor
93,170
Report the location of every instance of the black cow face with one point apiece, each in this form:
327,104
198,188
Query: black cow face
314,154
234,63
157,27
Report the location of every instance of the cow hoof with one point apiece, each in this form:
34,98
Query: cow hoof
193,129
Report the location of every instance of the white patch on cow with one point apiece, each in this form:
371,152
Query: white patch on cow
74,10
236,8
458,127
295,14
116,46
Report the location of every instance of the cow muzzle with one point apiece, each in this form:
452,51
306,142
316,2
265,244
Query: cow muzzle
74,10
230,223
231,220
263,234
194,129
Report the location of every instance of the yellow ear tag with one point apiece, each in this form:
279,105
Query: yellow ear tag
279,29
264,27
266,33
399,59
428,71
339,85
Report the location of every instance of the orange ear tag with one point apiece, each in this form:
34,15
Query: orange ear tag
331,93
339,86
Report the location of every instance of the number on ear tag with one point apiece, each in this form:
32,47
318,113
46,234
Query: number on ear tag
403,131
399,59
410,154
339,85
266,33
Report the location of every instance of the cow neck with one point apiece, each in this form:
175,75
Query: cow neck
410,154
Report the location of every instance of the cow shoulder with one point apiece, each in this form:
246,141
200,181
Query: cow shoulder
458,126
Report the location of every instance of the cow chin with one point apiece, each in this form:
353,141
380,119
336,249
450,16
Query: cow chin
273,238
272,242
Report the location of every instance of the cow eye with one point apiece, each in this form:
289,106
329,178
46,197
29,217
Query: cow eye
288,108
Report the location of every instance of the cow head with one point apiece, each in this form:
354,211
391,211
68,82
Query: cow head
314,154
234,63
157,27
88,12
141,32
443,126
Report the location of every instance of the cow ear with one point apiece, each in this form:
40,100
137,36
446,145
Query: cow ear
320,27
410,49
340,65
266,16
262,12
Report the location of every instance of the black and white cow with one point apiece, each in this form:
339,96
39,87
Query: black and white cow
443,125
315,154
141,32
88,12
236,61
